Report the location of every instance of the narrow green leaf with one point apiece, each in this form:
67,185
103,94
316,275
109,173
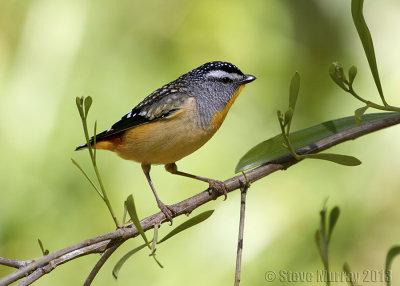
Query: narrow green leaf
288,117
88,178
124,216
366,40
317,238
322,224
155,238
124,258
392,253
187,224
79,103
294,90
88,103
352,74
130,206
358,113
153,245
272,149
158,262
349,274
44,251
320,238
333,218
335,158
280,116
337,74
94,141
322,247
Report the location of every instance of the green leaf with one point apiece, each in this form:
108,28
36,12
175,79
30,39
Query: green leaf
124,258
94,141
280,116
156,260
335,158
320,238
294,91
358,113
79,101
88,103
153,245
352,74
130,206
392,253
337,74
288,116
79,105
155,238
272,149
189,223
124,216
44,251
366,40
317,238
322,247
333,218
347,270
88,178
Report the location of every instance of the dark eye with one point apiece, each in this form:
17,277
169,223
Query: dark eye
225,79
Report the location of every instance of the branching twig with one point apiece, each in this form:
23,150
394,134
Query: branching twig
243,190
14,263
45,264
100,264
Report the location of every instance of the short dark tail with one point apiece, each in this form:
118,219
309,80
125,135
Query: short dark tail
84,146
103,141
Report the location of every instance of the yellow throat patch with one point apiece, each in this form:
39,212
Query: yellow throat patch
220,116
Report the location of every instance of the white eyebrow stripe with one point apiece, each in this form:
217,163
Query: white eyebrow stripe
221,74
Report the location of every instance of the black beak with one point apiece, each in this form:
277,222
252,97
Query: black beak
247,78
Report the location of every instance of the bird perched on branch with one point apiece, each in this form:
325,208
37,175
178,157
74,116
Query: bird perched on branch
176,120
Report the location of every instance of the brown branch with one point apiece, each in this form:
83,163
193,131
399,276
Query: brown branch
14,263
46,264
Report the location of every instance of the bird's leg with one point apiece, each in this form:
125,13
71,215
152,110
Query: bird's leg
167,210
213,184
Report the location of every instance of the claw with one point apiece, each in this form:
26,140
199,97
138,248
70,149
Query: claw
219,186
168,211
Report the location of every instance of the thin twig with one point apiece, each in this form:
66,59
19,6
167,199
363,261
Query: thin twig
99,264
14,262
384,107
83,111
243,190
102,243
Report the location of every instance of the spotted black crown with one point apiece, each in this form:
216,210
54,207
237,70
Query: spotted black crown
217,65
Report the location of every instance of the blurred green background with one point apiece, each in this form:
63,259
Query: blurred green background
118,52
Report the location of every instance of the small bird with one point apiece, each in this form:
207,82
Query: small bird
176,120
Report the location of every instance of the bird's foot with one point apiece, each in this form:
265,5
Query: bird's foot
168,211
219,187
